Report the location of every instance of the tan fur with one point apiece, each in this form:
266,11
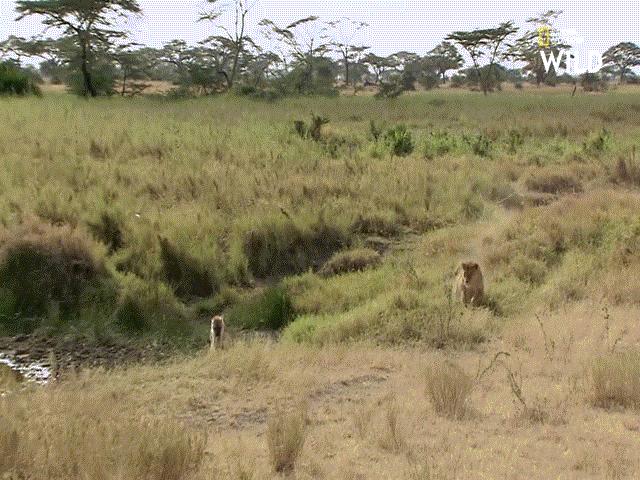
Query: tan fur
469,284
216,335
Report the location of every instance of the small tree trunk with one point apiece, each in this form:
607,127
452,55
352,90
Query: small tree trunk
86,74
346,69
124,84
231,78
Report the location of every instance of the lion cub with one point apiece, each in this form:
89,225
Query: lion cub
216,336
469,285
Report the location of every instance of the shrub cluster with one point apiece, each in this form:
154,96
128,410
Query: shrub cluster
15,81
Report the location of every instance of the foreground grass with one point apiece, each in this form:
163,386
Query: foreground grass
258,410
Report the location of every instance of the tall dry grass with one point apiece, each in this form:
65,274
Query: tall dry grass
84,437
286,435
615,380
448,388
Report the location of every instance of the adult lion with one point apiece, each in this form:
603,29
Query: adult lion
469,285
216,335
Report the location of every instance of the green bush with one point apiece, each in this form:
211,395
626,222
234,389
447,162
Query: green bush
313,130
392,89
429,81
271,309
146,305
515,140
439,143
399,140
480,144
15,81
598,143
268,94
103,76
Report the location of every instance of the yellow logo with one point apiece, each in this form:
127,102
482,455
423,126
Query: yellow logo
544,36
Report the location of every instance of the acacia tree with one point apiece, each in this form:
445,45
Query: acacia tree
198,68
305,42
529,49
54,53
343,35
379,65
443,58
134,67
92,24
236,39
622,58
488,45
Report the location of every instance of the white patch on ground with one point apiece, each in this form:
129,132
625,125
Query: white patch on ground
33,372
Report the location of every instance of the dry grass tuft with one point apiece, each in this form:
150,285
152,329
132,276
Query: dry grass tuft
362,419
448,388
286,434
616,380
392,437
627,171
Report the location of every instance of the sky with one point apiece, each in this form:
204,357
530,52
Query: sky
394,25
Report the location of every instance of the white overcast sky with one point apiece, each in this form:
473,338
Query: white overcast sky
413,25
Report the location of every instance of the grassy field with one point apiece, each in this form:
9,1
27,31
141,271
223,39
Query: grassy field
135,218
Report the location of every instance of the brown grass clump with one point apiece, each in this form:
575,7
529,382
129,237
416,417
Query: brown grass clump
616,380
448,388
286,434
627,171
545,181
351,261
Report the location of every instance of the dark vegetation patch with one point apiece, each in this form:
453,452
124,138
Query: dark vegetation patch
186,274
276,249
108,230
44,268
351,261
376,224
556,182
55,278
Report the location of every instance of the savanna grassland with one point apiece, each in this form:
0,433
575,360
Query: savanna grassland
338,222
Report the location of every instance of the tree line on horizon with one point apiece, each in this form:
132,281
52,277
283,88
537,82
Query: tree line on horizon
94,57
